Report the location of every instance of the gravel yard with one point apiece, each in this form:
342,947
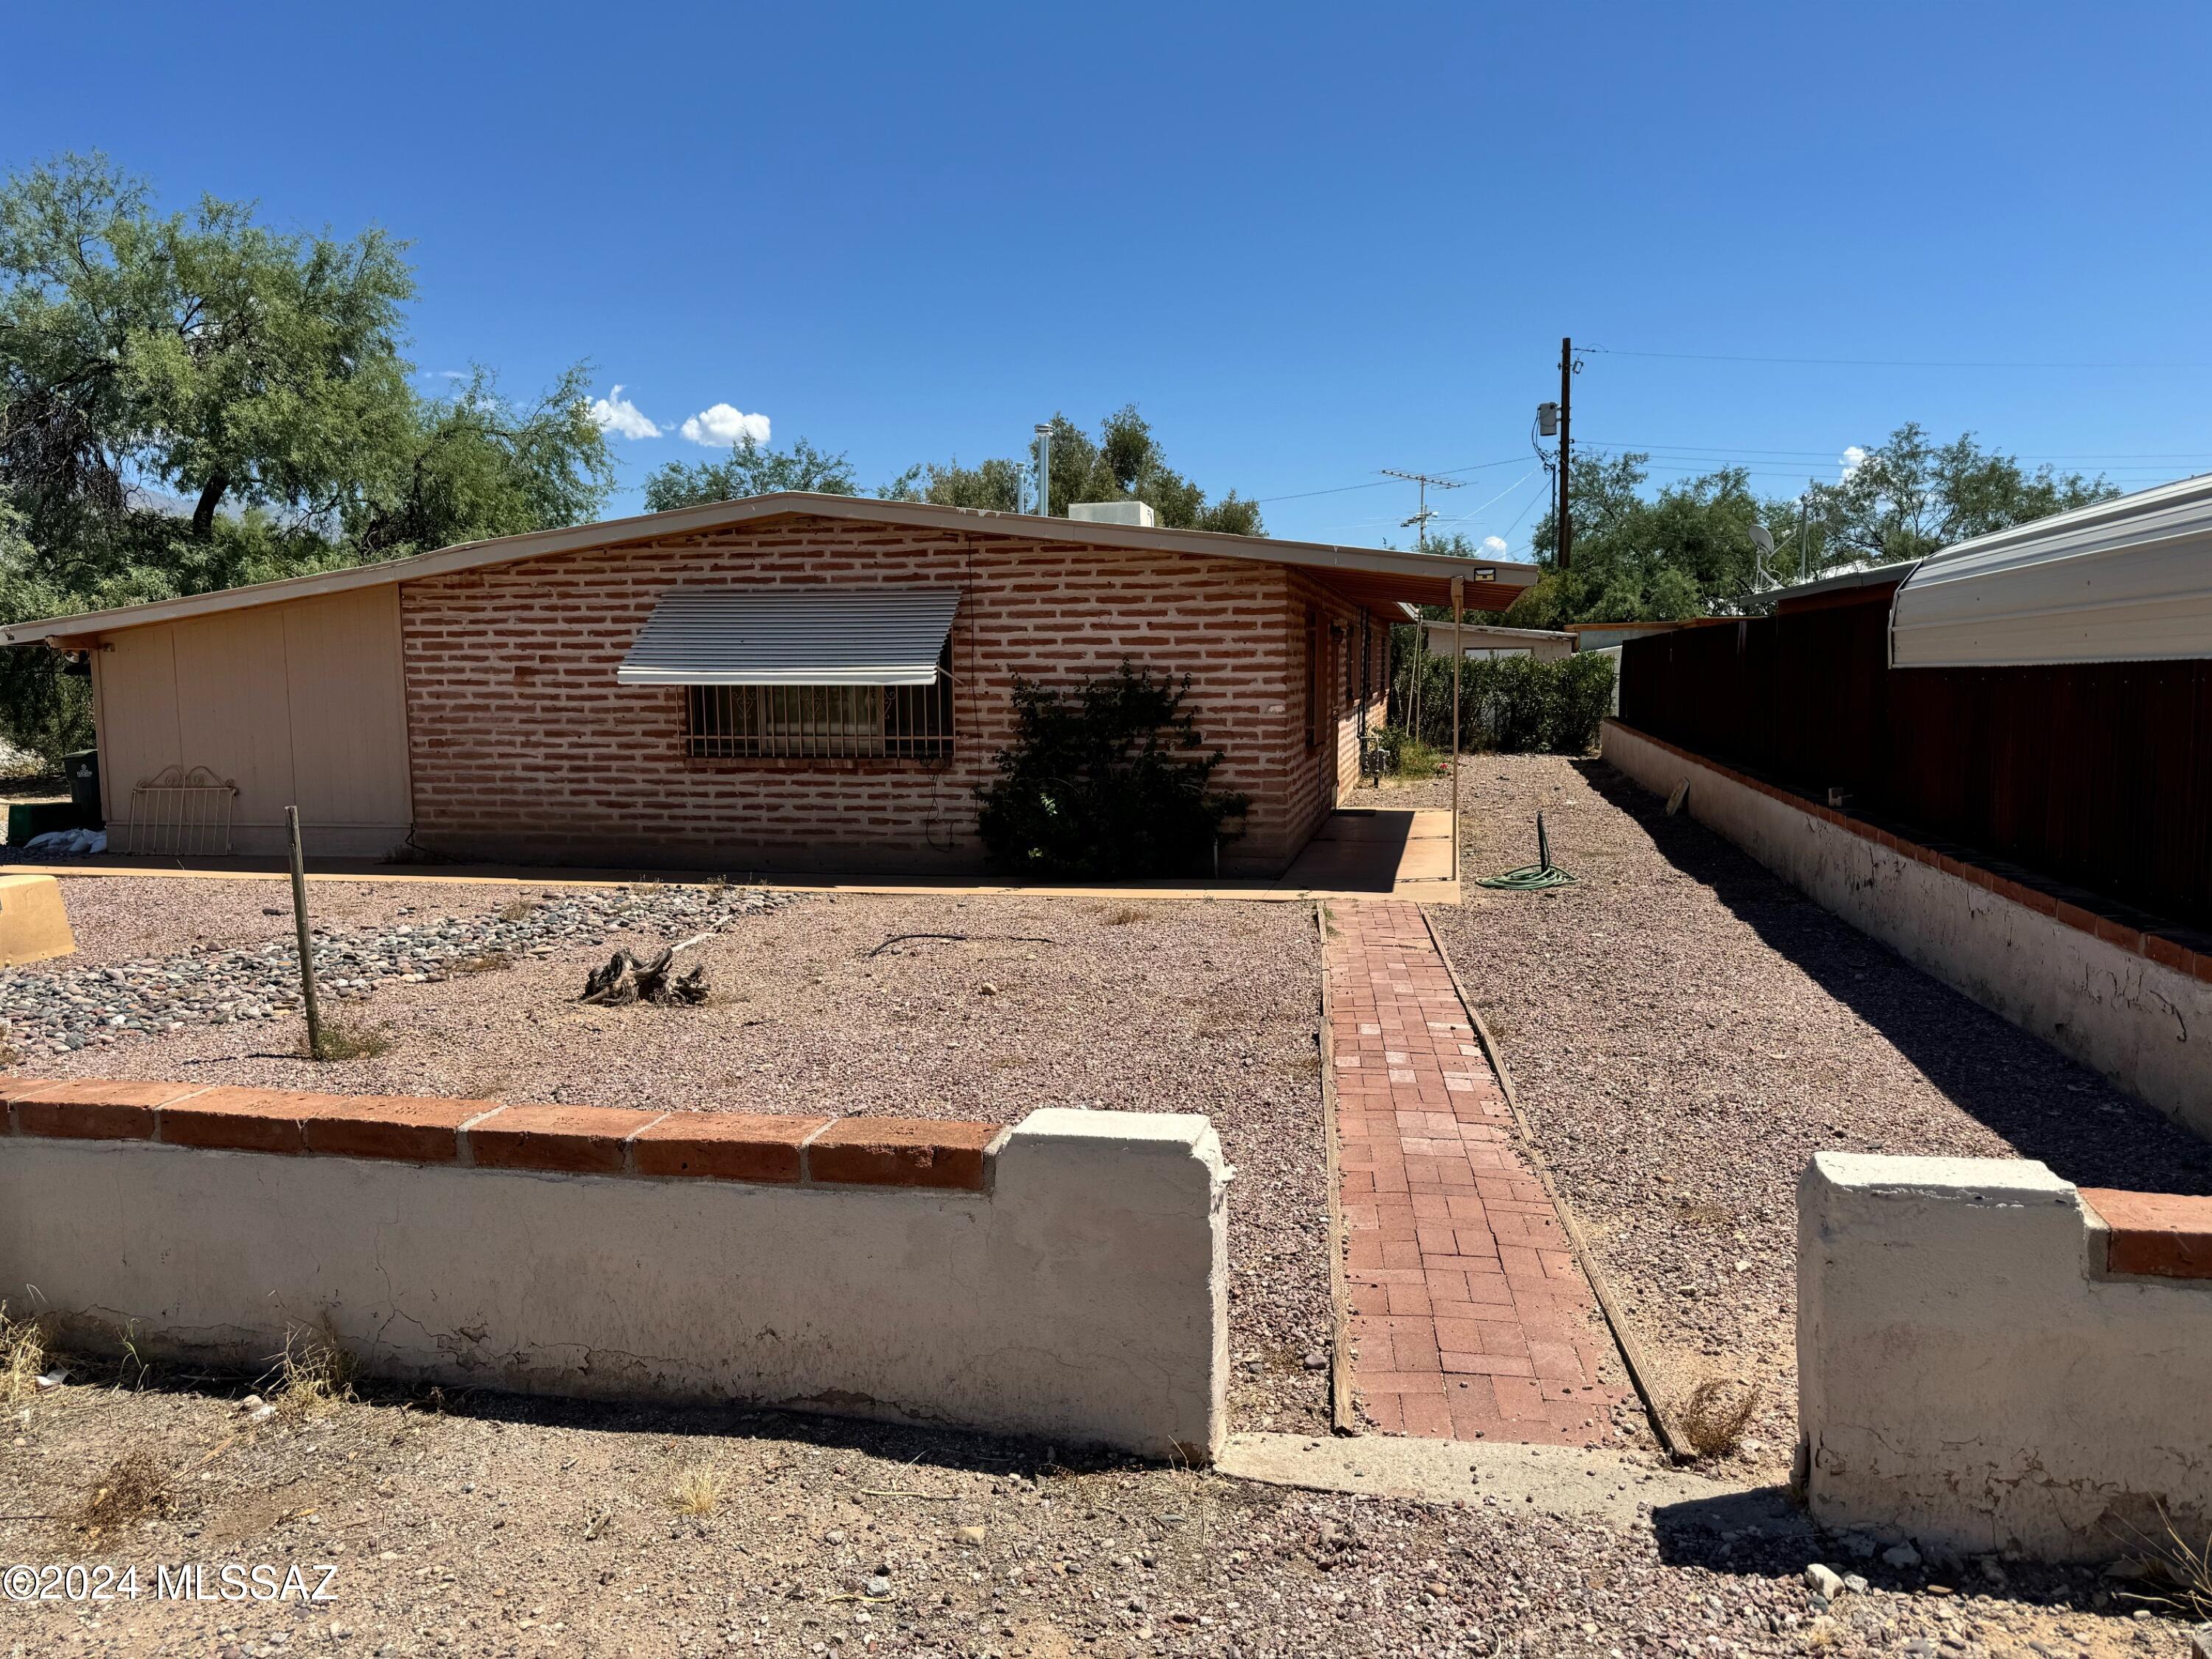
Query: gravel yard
483,1524
1686,1030
936,1007
497,1526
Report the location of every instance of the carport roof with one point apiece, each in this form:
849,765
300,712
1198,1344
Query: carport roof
1375,577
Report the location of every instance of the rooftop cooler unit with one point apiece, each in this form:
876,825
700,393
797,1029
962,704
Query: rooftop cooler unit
1139,513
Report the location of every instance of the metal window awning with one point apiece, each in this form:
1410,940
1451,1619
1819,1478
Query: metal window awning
844,636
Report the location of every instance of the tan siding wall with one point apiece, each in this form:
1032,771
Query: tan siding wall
525,746
297,703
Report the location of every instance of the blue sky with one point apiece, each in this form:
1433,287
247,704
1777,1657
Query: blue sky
1308,242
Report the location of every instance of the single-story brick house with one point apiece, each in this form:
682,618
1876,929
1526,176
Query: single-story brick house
787,682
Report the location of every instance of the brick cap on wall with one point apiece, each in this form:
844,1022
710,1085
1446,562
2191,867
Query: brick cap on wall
2153,1235
926,1153
2147,943
2147,1235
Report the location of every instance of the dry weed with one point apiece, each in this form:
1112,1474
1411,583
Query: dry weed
343,1042
1124,916
1716,1414
22,1358
696,1490
314,1373
134,1487
2181,1570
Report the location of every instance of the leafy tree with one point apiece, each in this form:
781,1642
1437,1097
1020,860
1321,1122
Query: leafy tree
1685,552
1124,463
1688,551
1105,782
46,713
194,400
478,466
752,469
201,353
993,486
1909,497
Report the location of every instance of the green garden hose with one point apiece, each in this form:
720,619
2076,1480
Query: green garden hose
1532,878
1528,878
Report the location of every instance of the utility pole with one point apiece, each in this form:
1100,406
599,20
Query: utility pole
1420,519
1044,470
1567,451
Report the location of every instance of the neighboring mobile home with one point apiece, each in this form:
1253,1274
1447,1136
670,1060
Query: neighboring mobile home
787,681
1482,642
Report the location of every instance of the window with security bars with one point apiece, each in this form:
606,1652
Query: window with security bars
822,722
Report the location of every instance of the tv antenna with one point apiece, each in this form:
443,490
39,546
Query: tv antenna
1420,519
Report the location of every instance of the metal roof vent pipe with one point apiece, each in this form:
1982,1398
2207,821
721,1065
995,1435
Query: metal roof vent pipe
1044,470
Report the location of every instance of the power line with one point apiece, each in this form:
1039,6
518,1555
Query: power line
1725,449
1886,363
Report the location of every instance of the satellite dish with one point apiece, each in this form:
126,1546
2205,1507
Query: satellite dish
1762,539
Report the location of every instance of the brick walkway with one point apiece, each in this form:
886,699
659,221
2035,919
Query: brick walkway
1468,1316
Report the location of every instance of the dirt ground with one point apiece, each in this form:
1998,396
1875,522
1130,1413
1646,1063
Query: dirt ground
938,1006
1686,1030
488,1525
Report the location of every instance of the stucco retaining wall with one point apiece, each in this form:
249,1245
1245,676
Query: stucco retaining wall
1977,1370
1064,1279
2095,994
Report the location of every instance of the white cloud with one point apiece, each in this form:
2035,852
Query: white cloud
723,425
1495,546
616,414
1853,459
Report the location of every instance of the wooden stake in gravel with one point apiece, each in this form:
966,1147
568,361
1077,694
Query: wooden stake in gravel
307,944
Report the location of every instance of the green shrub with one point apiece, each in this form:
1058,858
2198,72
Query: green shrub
1514,704
1403,754
1105,782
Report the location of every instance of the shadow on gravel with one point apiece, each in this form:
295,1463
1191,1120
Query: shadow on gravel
913,1444
1762,1533
1759,1531
2043,1104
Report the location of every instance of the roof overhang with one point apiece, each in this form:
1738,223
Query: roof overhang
1842,582
1376,577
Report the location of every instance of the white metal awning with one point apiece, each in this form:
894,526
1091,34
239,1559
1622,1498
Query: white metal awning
840,636
2126,581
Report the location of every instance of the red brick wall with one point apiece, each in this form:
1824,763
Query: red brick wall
524,747
1325,775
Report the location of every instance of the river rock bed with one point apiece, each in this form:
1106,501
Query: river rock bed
55,1010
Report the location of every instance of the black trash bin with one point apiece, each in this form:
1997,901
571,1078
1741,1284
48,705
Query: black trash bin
83,770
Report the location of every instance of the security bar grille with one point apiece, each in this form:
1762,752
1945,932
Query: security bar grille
820,722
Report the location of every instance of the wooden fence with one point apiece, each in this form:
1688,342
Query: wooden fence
2098,774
